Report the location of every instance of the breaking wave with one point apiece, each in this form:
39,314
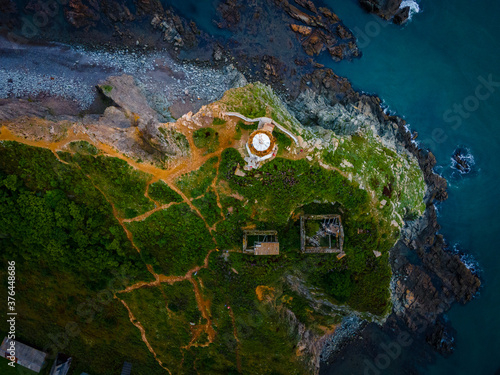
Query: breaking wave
464,154
412,4
467,259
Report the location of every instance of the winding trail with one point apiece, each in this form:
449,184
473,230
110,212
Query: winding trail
145,215
138,324
169,176
204,307
203,304
146,194
128,233
213,185
159,279
235,333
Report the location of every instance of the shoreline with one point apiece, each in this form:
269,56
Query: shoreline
421,233
418,240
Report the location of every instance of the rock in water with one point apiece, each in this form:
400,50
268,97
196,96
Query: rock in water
387,9
401,16
462,160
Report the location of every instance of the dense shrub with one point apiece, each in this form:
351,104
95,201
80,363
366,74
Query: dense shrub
50,212
206,138
175,239
196,183
207,204
162,193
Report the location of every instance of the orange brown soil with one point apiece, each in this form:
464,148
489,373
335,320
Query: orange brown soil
183,165
146,194
166,279
167,176
145,215
214,187
264,292
138,324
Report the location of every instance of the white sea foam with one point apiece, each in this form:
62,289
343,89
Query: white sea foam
467,259
465,154
414,7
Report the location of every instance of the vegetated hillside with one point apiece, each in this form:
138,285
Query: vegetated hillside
158,252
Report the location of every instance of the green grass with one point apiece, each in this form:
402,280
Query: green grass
50,212
206,138
258,100
229,234
123,185
246,102
207,204
282,139
218,121
167,330
107,88
196,183
173,240
284,184
100,336
181,300
266,344
162,193
281,186
60,229
392,177
241,125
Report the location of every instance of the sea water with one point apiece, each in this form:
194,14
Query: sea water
447,56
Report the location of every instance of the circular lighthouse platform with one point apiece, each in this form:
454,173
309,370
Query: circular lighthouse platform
261,143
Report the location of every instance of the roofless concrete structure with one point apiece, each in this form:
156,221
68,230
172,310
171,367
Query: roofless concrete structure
322,234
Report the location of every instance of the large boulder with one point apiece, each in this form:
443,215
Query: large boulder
387,9
123,91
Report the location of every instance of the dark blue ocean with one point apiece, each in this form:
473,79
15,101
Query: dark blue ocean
441,72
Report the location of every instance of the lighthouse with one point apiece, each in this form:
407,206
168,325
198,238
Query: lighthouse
261,143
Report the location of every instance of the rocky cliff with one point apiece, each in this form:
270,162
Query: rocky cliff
428,278
387,9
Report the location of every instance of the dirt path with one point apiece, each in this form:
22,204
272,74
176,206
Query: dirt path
168,176
186,165
166,279
115,214
213,185
179,167
146,194
203,304
235,333
145,215
138,324
204,307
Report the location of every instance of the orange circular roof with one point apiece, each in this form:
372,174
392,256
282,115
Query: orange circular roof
261,142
